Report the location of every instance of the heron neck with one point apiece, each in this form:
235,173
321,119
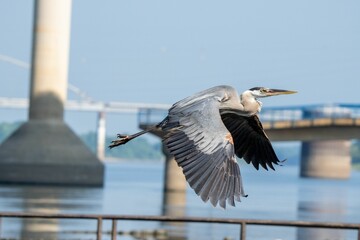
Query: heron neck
250,103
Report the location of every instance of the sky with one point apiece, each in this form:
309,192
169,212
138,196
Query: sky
161,51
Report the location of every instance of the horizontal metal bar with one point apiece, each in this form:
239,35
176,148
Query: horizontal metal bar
186,219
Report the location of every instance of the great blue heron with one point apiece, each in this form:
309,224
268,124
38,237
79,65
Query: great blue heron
205,131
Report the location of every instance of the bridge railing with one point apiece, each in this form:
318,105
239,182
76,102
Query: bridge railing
150,116
242,223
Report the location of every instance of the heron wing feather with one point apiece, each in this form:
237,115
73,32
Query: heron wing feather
194,131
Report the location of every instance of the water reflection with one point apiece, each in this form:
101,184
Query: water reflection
327,203
48,199
174,204
137,189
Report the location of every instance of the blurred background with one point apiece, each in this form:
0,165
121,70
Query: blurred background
162,51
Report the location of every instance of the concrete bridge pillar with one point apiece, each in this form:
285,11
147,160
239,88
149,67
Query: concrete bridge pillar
174,179
174,199
101,135
45,150
326,159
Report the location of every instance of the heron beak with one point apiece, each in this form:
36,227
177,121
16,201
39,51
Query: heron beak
274,92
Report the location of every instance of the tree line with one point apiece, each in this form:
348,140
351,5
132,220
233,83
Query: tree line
140,148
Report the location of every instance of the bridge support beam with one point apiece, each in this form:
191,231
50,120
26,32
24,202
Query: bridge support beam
101,135
44,150
174,179
326,159
174,199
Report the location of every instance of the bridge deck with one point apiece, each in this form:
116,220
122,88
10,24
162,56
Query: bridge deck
316,122
293,124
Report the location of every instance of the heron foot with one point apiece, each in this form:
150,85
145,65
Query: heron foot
122,140
122,136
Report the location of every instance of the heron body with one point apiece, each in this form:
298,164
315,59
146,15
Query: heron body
206,131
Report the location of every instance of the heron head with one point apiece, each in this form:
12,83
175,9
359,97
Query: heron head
259,92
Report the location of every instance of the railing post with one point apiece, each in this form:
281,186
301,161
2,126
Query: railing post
99,229
358,234
0,227
114,230
243,231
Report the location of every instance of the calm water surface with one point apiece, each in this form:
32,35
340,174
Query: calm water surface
136,188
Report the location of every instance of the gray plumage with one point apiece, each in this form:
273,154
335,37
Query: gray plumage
205,131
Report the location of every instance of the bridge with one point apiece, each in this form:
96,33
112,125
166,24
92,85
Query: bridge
294,123
325,131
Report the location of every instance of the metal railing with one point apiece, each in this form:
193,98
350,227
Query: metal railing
243,223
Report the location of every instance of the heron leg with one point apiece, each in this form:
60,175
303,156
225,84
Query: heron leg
122,139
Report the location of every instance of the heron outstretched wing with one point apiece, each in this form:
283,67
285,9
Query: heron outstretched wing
203,147
250,140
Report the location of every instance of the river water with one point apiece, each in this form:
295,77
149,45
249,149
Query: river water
136,188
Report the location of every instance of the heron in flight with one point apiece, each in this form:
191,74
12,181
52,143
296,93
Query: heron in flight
205,131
